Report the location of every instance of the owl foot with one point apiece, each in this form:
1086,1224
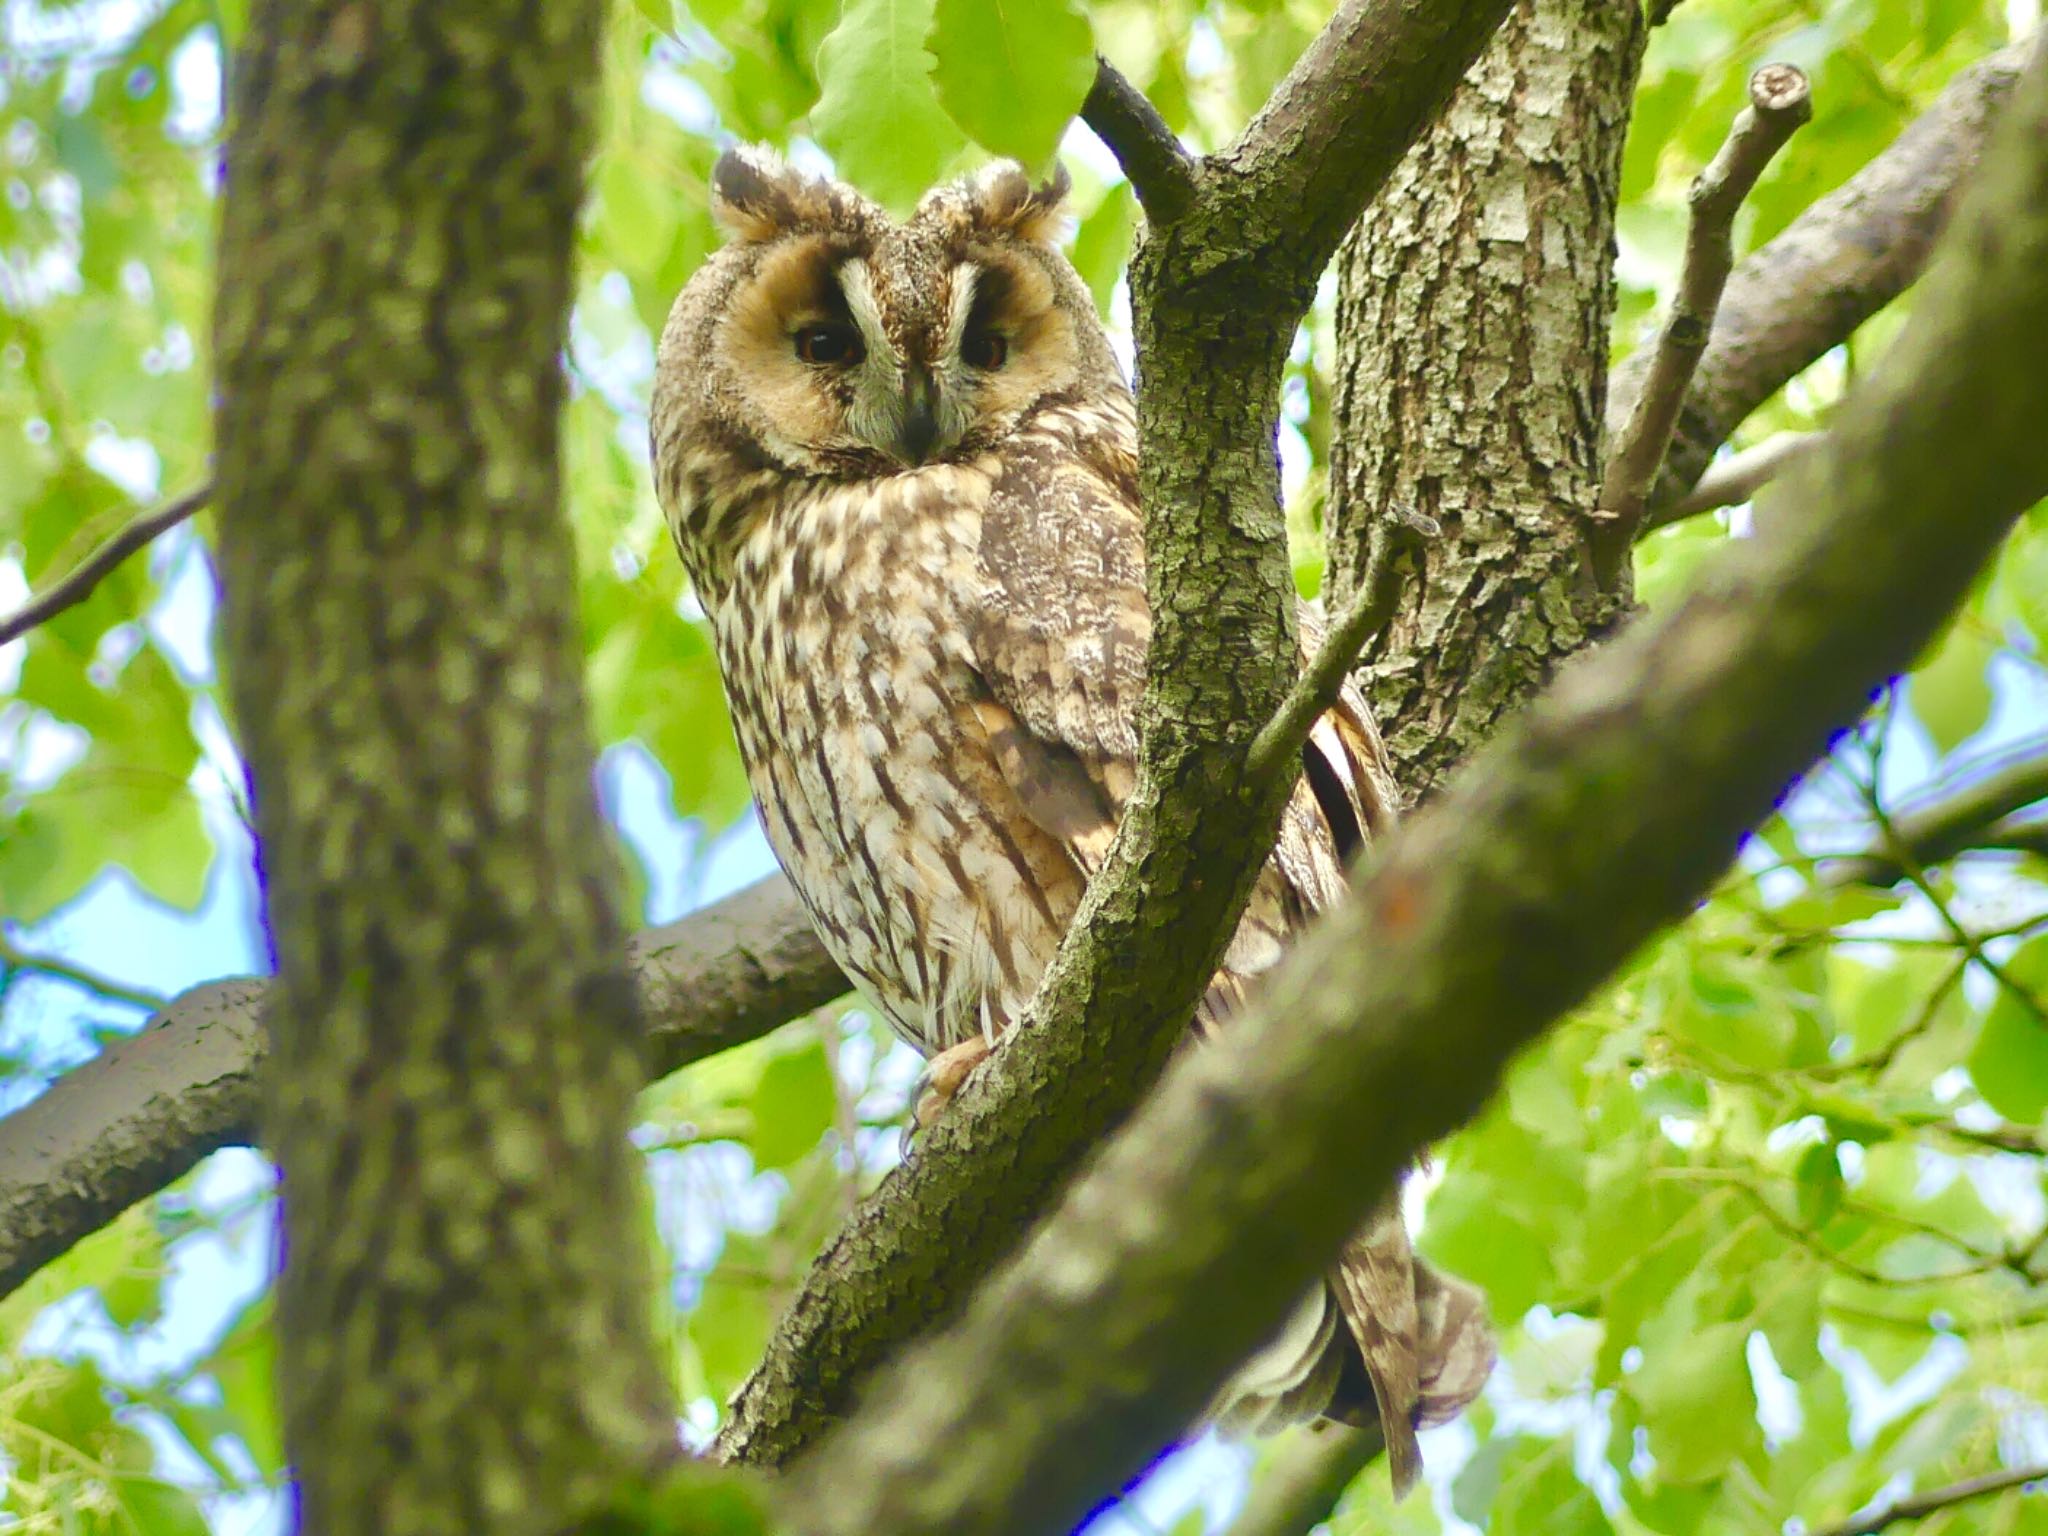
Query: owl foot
944,1074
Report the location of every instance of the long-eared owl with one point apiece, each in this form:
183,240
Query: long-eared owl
900,463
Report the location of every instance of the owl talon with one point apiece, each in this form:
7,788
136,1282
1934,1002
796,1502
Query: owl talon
942,1078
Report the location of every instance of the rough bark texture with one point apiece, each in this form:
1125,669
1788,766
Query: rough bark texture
1473,304
463,1313
1489,915
144,1111
1835,266
1217,292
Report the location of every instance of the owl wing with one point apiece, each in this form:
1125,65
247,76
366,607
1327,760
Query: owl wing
1060,641
1061,633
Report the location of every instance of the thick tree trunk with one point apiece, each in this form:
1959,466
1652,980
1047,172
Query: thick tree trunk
464,1308
1473,305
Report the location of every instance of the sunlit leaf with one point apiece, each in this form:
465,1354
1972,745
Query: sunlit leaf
878,113
1012,72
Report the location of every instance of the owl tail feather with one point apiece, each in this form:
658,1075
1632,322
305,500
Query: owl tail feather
1422,1335
1386,1341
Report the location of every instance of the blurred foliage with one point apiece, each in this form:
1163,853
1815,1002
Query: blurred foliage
1763,1227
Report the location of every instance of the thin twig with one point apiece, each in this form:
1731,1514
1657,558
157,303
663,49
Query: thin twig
1736,479
14,958
76,586
1936,1499
1161,172
1317,687
1780,100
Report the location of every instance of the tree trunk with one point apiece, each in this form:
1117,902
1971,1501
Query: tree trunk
1473,305
464,1319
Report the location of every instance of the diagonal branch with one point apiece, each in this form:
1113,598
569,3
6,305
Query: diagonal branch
144,1111
76,585
1780,102
1216,295
1841,261
1915,1506
1487,917
1160,171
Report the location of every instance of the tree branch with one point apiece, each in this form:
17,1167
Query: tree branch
1780,102
1276,746
1835,266
1921,1504
1977,813
1314,1466
1487,916
143,1112
1337,125
77,585
1213,317
1732,481
1160,171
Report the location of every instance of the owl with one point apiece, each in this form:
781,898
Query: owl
899,459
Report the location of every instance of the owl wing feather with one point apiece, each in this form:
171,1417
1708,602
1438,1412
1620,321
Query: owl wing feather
1060,645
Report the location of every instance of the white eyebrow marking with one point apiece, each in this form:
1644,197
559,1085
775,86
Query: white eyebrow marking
966,282
858,284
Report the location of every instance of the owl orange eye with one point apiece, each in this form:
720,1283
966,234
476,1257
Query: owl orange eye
829,345
986,350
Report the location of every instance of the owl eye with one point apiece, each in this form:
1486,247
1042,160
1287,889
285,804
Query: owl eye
986,350
829,345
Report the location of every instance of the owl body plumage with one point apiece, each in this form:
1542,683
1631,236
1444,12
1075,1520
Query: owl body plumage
900,464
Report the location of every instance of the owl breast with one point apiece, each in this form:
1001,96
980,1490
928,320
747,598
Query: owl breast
842,636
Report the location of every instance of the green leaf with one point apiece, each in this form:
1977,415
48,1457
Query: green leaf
728,1327
794,1105
1102,245
1951,694
878,114
1820,1184
1697,1402
244,1366
159,1509
1012,72
2010,1062
127,1244
660,14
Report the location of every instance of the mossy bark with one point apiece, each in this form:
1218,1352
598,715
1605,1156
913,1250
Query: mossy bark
1473,306
464,1309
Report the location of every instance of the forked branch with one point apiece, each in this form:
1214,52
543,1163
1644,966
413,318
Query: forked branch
1780,100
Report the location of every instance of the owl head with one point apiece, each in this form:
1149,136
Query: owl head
827,339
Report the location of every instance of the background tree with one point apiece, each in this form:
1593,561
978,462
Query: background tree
1767,1249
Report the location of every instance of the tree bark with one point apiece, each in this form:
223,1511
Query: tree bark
1473,306
463,1312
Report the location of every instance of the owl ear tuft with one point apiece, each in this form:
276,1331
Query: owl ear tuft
1003,200
755,195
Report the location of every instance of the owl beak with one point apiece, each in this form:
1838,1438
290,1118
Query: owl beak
920,428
